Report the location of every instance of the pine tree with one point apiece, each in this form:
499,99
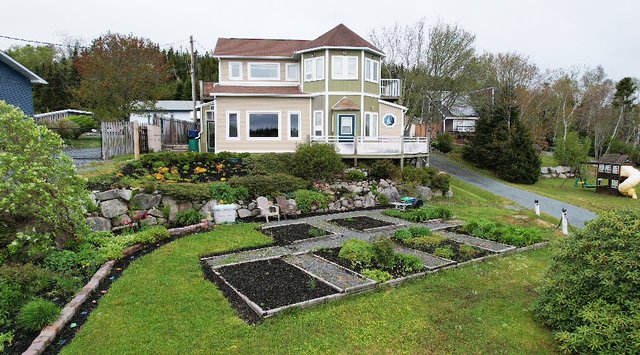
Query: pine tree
519,162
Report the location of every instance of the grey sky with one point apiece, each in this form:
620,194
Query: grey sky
554,34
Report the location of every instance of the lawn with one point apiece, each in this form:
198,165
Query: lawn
163,304
84,142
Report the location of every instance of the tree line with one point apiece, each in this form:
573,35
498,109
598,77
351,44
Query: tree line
113,76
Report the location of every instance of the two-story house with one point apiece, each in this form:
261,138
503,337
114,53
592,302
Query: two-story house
16,84
273,94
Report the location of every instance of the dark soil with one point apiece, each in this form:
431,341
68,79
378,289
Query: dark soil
260,219
453,245
332,255
273,283
290,233
361,223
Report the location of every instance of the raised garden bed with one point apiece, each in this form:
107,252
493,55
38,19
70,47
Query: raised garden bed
362,223
448,249
332,255
292,233
271,284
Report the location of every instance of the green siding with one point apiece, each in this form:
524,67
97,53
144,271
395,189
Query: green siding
345,85
371,104
371,88
333,123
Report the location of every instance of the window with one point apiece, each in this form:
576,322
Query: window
371,70
314,69
293,72
370,128
264,125
294,125
344,68
235,71
389,120
264,71
232,125
209,115
318,125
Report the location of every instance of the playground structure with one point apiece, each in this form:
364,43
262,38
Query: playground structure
615,176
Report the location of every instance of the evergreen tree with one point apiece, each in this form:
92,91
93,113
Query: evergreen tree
519,162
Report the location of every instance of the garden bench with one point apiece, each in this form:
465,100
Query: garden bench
401,205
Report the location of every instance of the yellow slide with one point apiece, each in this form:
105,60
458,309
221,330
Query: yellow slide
627,188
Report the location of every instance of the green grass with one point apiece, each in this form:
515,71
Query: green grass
548,160
112,166
84,142
162,304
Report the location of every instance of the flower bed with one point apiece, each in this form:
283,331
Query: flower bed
502,232
292,233
361,223
421,238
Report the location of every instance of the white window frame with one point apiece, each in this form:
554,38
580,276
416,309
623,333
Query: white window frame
312,63
395,120
210,115
249,113
317,113
371,75
231,77
292,68
344,66
376,123
251,77
229,113
299,137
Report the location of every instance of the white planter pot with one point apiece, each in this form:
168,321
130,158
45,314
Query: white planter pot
224,213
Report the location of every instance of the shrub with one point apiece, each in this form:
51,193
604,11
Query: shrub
65,128
269,163
383,251
306,199
188,217
589,296
104,182
36,314
421,214
182,191
316,232
224,193
419,231
30,247
402,235
377,275
384,169
444,142
467,251
111,248
444,252
317,161
441,181
269,185
421,176
383,200
40,174
502,233
358,252
356,175
84,123
427,242
407,264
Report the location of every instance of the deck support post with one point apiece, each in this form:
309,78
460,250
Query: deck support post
401,153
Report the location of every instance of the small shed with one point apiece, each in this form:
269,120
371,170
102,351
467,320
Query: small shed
608,173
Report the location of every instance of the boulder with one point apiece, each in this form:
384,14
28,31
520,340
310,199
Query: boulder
113,208
562,176
244,213
544,170
149,221
125,194
156,213
437,193
369,201
424,193
107,195
391,192
120,221
383,183
448,194
358,204
145,201
208,207
252,205
99,224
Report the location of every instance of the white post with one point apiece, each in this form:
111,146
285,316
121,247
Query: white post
537,207
565,222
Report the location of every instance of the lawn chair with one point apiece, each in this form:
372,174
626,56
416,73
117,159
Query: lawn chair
286,208
267,209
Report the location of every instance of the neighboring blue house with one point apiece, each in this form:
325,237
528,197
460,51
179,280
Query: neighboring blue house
16,83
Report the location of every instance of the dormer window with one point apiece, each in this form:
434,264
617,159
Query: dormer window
344,67
371,70
235,71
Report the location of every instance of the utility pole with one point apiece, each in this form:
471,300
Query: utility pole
193,81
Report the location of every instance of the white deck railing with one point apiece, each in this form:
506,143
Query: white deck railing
390,87
377,146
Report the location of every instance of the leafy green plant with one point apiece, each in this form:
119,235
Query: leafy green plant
444,252
36,314
502,232
421,176
6,338
269,185
182,191
305,199
383,200
317,161
377,275
444,142
358,252
429,241
419,231
589,296
407,264
383,252
104,182
467,251
30,247
313,284
316,232
188,217
224,193
402,235
384,169
441,181
356,175
421,214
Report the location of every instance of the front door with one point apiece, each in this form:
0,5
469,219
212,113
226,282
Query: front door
346,127
211,136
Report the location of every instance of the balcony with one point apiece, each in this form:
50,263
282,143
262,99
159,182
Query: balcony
368,147
390,89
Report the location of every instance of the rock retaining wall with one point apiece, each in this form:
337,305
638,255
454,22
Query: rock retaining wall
562,172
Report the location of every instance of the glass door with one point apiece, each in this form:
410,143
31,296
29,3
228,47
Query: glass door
346,127
211,136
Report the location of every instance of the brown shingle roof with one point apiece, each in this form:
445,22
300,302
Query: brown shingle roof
339,36
345,105
254,90
242,47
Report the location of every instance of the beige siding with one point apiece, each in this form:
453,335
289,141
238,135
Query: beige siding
270,104
396,130
224,71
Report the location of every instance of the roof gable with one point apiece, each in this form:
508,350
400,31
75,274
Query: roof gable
34,78
339,36
345,105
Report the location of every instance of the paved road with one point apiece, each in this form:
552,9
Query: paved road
577,216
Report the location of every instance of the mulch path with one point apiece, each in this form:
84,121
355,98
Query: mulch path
273,283
361,223
290,233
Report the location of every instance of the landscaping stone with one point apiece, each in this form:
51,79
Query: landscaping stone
121,220
358,204
146,201
391,192
149,221
161,220
383,183
208,207
244,213
99,224
174,206
448,194
125,194
369,201
113,208
156,213
107,195
424,193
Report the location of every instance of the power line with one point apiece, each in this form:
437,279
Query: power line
32,41
201,46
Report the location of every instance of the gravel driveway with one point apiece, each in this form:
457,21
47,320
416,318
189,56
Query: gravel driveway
577,216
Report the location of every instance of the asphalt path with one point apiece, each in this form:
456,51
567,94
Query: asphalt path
577,216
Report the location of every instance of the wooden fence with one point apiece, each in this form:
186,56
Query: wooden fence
117,139
174,131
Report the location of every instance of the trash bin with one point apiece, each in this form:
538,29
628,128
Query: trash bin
193,142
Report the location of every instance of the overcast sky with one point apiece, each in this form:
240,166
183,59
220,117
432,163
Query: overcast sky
553,33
